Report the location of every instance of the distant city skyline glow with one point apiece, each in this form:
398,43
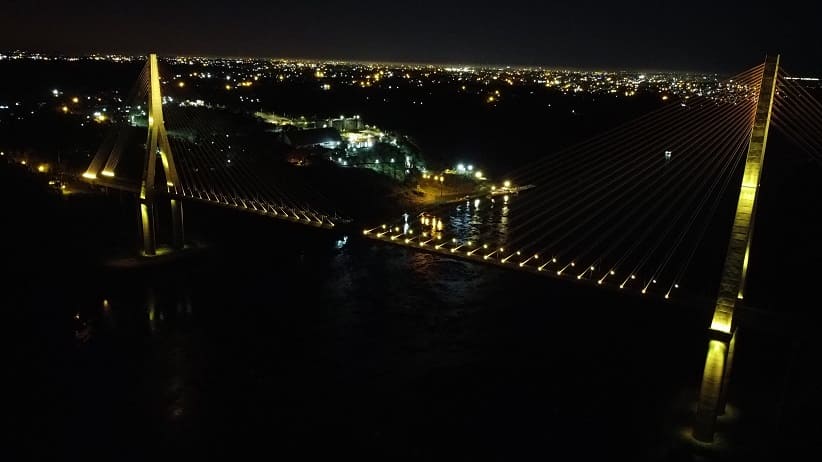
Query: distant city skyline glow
698,36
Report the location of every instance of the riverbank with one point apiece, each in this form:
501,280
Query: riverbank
367,196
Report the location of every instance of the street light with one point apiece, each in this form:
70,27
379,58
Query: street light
442,181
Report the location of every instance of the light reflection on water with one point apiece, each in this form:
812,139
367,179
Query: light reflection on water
367,336
500,230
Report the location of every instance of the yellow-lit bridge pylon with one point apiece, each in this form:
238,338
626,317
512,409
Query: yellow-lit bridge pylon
106,160
714,388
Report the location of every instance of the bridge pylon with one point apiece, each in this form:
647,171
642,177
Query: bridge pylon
157,146
715,378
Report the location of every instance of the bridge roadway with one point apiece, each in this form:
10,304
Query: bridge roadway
474,253
293,217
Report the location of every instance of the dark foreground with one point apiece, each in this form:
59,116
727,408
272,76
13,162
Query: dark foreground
280,344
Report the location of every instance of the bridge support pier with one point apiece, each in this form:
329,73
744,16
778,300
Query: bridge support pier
148,228
726,374
713,391
177,230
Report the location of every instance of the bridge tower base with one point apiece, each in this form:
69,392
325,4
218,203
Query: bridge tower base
147,228
177,230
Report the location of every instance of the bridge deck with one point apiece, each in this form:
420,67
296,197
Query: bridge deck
299,218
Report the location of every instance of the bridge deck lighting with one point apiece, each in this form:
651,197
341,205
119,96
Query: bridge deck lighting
90,176
507,184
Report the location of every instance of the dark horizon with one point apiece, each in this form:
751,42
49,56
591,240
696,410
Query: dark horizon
699,37
351,61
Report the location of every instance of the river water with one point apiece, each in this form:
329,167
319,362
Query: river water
301,344
313,345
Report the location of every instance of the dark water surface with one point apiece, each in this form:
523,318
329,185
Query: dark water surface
283,342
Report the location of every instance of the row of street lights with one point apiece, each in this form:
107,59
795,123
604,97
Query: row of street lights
440,178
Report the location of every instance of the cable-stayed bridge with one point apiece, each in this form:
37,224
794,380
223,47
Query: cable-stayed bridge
196,162
627,209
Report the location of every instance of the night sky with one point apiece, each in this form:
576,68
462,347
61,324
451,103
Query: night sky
646,35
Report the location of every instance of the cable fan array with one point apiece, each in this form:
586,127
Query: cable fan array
798,115
626,209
